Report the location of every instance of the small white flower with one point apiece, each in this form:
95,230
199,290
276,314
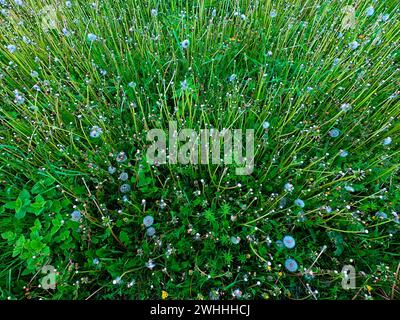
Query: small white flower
273,14
154,12
265,125
68,4
19,2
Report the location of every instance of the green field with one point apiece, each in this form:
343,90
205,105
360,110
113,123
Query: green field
83,82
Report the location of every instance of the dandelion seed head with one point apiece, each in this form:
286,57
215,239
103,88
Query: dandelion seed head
123,176
334,133
148,221
291,265
76,215
300,203
95,132
125,188
185,44
289,242
370,11
92,37
387,141
150,231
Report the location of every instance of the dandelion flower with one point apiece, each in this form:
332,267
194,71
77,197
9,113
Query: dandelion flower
125,188
76,215
289,242
334,133
185,44
336,61
387,141
121,157
299,203
12,48
91,37
148,221
385,17
381,215
291,265
235,240
370,11
184,85
19,98
95,132
343,153
265,125
237,293
345,107
123,176
150,264
288,187
150,231
353,45
232,77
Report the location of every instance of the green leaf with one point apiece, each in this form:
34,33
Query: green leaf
38,206
8,235
10,205
21,204
19,246
123,236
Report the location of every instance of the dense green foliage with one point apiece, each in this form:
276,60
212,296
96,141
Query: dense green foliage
82,82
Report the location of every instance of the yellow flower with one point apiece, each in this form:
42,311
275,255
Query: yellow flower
280,274
164,294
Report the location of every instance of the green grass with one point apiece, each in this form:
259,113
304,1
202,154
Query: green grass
294,71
